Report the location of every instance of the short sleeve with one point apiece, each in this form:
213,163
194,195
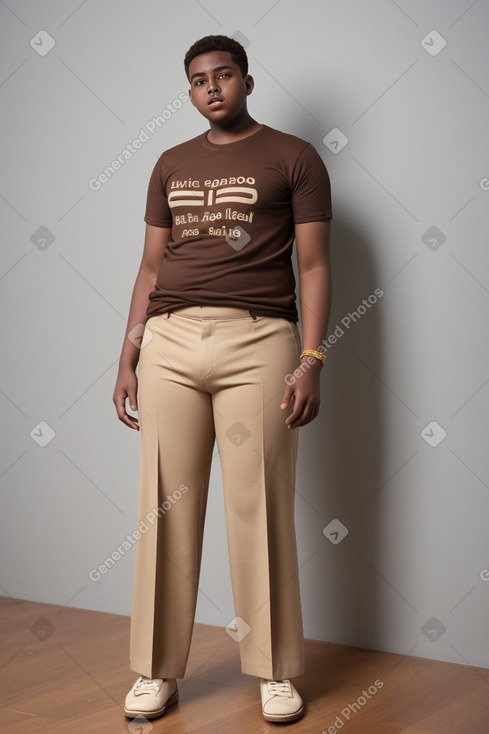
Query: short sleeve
158,213
311,188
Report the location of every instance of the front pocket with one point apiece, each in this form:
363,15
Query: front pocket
292,327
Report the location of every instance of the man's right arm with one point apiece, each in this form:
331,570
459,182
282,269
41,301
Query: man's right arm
155,242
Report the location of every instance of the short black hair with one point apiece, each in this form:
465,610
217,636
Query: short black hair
217,43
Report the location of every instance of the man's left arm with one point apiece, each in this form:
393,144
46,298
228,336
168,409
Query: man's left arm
312,247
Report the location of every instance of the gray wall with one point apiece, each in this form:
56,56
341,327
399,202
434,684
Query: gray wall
399,453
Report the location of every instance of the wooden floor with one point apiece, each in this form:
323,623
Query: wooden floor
66,670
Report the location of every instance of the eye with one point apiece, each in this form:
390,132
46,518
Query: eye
224,73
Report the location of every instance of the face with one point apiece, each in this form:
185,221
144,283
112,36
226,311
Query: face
217,87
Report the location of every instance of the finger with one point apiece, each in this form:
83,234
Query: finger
120,406
306,411
308,414
131,422
297,411
288,392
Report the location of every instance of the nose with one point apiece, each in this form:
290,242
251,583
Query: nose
213,86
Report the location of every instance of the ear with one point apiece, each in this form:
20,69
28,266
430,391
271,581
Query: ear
190,96
249,83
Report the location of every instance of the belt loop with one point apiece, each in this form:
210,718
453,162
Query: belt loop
167,314
252,314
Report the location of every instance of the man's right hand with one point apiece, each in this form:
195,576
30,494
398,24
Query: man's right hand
126,387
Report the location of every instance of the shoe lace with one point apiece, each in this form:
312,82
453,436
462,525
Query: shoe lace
279,687
147,683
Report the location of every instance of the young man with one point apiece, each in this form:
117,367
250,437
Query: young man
216,294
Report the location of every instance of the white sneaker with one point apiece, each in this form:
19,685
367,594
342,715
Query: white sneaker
150,697
280,700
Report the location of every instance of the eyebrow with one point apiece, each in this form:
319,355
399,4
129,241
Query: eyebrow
216,68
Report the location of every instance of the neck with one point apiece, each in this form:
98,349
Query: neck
239,128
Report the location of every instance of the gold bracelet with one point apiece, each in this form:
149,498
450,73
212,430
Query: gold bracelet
313,353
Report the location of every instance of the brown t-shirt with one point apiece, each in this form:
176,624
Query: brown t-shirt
232,210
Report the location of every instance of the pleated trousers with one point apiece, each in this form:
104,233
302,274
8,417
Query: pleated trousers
207,374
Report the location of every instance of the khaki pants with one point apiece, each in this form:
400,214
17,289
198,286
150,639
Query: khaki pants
209,373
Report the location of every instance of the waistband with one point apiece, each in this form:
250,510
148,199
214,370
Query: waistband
216,313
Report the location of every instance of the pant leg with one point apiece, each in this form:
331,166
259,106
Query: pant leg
177,440
258,457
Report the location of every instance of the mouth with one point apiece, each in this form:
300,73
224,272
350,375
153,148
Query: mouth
215,102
